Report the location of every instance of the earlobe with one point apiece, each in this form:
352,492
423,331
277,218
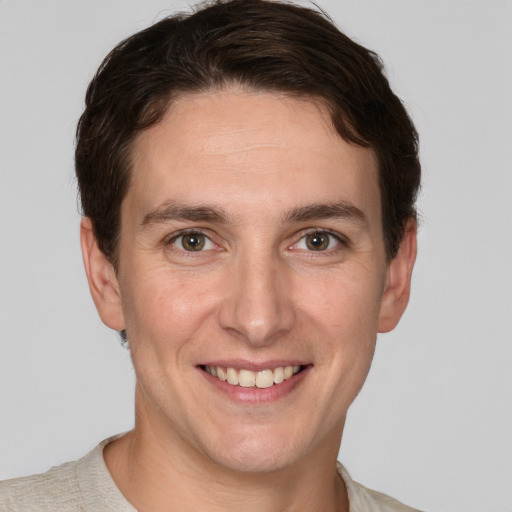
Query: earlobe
398,283
102,279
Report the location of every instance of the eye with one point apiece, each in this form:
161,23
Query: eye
192,241
318,241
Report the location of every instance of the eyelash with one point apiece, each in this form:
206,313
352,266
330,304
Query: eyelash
176,236
341,241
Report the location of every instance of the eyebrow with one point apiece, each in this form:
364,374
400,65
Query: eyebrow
171,211
338,210
180,212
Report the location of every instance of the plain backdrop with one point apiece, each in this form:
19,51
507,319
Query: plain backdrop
433,423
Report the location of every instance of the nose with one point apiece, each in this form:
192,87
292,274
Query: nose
258,304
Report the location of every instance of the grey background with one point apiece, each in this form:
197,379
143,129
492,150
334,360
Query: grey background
433,424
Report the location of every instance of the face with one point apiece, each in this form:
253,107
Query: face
252,278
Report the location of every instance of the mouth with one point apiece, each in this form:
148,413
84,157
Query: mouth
244,378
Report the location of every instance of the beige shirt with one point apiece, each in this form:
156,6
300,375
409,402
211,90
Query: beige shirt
86,486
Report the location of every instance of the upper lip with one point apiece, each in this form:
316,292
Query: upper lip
255,366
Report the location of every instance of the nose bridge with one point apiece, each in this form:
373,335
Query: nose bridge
257,305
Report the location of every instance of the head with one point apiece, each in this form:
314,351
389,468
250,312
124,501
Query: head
260,45
248,182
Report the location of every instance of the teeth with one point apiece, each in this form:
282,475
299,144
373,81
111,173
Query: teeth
232,376
278,375
264,379
249,379
246,378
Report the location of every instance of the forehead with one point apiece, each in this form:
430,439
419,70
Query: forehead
246,150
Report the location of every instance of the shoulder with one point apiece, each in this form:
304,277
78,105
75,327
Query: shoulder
363,499
56,490
81,486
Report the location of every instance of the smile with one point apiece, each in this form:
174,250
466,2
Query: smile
250,379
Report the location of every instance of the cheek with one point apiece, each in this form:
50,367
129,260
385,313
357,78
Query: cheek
344,301
342,313
166,308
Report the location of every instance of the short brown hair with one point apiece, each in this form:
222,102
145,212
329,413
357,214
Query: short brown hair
259,44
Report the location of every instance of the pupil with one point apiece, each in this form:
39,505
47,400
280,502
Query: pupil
317,241
193,242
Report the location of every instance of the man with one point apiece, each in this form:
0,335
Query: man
248,180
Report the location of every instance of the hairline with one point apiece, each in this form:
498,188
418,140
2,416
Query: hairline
159,108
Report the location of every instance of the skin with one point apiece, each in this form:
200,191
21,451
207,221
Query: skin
256,294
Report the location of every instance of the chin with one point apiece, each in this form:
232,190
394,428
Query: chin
255,453
248,452
254,461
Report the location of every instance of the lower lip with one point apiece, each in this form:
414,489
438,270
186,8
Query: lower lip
256,395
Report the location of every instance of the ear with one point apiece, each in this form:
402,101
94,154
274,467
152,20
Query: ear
102,279
398,282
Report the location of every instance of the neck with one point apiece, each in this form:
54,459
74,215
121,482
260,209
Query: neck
157,471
